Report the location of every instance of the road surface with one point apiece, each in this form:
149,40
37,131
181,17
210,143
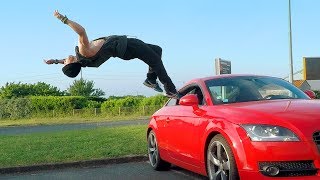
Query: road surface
134,170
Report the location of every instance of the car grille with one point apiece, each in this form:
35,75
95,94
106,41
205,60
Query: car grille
291,168
316,138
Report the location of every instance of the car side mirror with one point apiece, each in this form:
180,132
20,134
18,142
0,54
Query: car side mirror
189,100
310,93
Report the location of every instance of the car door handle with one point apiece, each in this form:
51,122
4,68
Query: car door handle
168,119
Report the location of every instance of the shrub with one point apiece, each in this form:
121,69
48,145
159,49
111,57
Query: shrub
317,94
157,100
61,104
15,108
93,104
132,105
111,106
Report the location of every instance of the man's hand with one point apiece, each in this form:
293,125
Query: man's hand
57,15
54,61
50,61
62,18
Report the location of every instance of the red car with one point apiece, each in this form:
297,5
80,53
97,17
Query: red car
238,127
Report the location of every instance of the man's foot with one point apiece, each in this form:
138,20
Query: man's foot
174,95
154,86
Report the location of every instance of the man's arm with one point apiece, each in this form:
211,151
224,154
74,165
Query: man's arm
83,38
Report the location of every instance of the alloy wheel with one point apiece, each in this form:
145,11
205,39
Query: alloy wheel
153,149
218,163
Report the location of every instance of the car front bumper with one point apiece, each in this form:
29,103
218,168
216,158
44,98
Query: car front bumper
294,160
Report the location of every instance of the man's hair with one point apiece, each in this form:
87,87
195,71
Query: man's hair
72,69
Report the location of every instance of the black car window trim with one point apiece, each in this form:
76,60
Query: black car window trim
184,90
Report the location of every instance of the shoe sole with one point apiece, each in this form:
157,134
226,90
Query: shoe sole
171,96
152,87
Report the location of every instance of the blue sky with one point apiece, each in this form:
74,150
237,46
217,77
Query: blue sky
253,35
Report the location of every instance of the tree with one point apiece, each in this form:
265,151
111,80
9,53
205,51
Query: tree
22,89
14,90
43,89
85,88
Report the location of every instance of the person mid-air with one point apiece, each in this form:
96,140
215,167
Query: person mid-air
96,52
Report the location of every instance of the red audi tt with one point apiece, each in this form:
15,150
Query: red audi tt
238,127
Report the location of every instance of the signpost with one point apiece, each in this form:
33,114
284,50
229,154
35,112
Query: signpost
311,68
222,66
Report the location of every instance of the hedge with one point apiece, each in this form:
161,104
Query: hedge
42,106
45,103
15,108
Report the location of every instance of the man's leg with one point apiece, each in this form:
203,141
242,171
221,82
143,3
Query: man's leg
151,80
138,49
151,75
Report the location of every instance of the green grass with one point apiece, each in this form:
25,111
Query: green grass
65,120
70,146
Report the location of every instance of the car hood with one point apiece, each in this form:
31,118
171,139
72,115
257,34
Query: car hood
300,113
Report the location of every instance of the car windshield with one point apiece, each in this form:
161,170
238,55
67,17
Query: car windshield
251,88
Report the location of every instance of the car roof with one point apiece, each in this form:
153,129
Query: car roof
197,80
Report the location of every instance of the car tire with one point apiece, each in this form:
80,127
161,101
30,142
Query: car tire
154,156
220,160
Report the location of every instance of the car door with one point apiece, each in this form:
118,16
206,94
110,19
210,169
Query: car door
163,126
183,134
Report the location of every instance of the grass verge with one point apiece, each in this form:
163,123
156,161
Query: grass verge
70,146
65,120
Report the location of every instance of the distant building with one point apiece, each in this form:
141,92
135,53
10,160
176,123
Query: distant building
311,73
315,84
298,76
302,84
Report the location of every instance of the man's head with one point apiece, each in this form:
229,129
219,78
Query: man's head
71,67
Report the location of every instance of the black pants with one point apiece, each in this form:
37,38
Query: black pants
151,55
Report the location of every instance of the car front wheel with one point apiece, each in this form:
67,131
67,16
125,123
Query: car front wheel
154,156
220,160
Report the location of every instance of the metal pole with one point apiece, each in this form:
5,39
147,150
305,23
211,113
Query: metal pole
290,46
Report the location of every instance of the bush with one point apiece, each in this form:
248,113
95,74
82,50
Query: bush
55,106
93,104
3,106
317,94
60,104
15,108
129,105
111,106
14,90
157,100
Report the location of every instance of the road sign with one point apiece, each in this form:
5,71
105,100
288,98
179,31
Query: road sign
311,68
222,66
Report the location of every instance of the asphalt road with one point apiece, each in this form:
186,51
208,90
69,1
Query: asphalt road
65,127
135,170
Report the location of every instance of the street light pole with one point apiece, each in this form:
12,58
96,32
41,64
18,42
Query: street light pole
290,46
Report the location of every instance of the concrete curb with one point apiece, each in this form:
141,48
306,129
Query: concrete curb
89,163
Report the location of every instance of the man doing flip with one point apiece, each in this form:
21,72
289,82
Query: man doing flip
96,52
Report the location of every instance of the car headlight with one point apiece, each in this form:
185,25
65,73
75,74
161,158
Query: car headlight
269,133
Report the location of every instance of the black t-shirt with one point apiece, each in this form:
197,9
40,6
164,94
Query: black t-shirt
114,46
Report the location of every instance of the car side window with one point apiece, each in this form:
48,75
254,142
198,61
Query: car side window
189,90
199,94
197,91
172,102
